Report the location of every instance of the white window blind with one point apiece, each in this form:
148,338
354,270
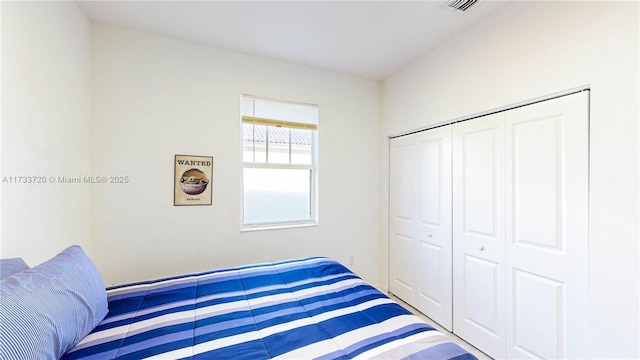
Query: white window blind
271,112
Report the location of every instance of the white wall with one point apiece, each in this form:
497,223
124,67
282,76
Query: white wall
45,128
533,49
154,97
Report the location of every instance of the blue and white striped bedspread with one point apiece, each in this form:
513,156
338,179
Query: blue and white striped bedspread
297,309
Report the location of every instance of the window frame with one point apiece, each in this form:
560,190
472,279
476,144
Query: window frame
312,167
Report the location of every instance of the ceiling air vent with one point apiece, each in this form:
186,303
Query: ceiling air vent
460,5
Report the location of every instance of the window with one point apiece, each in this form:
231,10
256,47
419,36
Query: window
279,142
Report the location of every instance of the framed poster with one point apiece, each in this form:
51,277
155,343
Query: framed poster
192,180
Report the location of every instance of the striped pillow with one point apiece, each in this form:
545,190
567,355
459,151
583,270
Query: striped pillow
12,266
46,310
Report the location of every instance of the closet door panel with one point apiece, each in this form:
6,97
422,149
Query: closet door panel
538,325
433,230
479,171
481,280
535,171
402,212
420,222
547,228
478,232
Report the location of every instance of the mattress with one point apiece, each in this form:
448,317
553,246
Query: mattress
312,308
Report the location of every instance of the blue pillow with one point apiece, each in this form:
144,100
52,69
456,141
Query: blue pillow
46,310
9,267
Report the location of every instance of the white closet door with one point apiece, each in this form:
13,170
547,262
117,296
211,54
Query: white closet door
421,222
433,228
479,233
403,203
547,229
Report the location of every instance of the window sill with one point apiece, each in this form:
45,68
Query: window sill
248,228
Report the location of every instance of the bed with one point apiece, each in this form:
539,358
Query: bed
296,309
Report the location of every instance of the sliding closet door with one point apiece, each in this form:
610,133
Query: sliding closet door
420,209
479,233
547,229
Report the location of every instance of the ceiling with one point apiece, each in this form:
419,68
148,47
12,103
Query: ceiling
369,39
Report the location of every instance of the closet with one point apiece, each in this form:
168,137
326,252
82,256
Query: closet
489,228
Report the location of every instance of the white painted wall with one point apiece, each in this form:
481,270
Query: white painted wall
533,49
45,128
154,97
